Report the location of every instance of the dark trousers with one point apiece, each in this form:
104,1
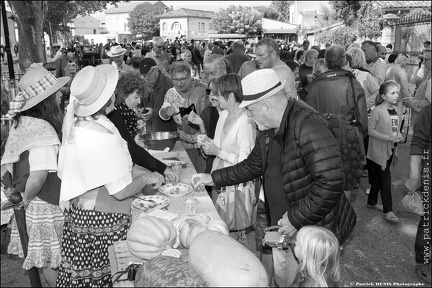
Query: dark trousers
366,145
422,244
380,181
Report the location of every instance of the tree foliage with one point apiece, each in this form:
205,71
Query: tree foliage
31,17
343,36
238,19
346,10
283,7
268,12
327,17
143,19
370,20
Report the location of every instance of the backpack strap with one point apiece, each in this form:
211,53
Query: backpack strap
356,110
302,114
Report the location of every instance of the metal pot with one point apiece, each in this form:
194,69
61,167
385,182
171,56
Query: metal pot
160,140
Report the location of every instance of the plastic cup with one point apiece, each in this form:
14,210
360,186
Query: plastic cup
177,168
191,206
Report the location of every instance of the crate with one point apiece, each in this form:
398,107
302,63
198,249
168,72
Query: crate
120,258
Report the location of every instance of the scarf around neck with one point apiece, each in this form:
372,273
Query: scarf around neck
130,118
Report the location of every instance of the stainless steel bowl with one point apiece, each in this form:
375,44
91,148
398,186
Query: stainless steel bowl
160,140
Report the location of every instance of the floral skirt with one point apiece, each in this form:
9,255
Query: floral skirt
44,228
87,235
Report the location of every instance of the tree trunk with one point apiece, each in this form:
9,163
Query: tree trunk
30,17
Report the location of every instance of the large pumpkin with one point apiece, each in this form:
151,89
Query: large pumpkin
191,227
223,262
167,271
149,236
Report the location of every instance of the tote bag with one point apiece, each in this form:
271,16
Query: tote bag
237,206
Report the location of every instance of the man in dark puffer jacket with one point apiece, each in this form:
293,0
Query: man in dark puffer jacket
309,177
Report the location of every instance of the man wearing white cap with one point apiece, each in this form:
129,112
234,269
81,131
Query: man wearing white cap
302,174
57,53
116,55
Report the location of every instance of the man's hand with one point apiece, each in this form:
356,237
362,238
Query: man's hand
286,226
202,179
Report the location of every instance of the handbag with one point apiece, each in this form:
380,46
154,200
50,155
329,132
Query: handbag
412,202
237,206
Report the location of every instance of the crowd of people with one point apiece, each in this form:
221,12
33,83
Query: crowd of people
236,109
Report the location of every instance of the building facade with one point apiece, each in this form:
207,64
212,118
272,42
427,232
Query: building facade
189,23
87,25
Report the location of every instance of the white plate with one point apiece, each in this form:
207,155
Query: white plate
178,190
148,203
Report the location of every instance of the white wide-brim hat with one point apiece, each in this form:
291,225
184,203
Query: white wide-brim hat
260,85
37,84
92,87
116,51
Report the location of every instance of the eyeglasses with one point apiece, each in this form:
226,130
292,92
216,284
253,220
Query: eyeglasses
180,80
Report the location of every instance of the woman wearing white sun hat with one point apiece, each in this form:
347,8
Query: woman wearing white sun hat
29,165
98,181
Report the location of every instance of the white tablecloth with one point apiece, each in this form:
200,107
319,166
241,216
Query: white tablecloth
177,204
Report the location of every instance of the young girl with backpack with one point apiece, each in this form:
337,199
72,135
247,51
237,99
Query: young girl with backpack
318,253
384,134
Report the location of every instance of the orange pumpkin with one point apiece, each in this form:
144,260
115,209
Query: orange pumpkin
149,236
191,227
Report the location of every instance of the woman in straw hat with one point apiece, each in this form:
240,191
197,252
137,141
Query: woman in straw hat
29,164
98,181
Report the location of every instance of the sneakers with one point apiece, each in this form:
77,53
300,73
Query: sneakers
391,217
367,191
424,271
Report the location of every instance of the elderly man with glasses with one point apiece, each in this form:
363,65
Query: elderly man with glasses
183,103
157,85
157,53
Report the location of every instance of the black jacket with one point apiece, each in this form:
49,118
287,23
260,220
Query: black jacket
312,173
139,155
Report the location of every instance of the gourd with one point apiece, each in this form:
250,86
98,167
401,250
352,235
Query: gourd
167,271
191,227
222,261
149,236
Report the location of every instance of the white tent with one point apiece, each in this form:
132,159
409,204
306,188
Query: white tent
270,26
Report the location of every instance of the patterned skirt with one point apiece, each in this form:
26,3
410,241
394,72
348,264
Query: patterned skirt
87,234
44,228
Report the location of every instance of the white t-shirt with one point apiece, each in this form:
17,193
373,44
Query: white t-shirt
43,158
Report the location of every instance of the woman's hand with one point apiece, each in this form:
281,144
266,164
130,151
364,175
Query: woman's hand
147,116
170,111
195,119
154,179
210,148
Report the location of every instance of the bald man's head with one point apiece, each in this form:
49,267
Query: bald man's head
382,51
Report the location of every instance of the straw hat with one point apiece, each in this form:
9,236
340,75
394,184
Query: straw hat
260,85
92,87
36,85
116,51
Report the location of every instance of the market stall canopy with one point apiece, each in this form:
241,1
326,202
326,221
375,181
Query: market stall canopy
227,36
273,26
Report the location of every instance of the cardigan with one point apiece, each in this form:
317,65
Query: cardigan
380,129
